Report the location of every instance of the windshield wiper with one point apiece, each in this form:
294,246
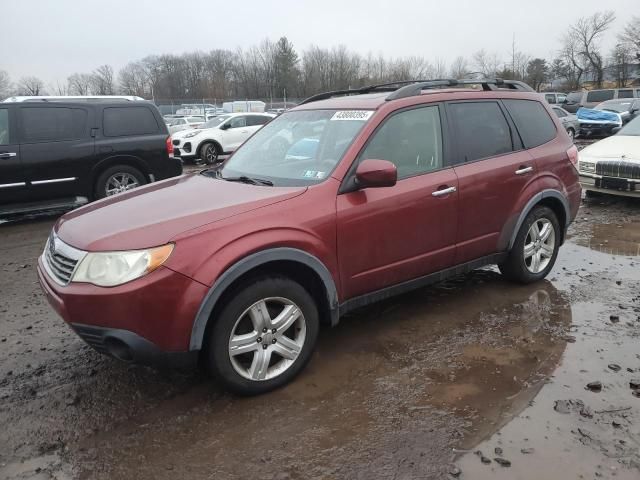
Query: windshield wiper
249,180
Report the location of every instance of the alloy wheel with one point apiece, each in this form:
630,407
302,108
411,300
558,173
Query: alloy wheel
267,338
539,245
120,182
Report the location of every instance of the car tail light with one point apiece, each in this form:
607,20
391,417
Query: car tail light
572,153
169,146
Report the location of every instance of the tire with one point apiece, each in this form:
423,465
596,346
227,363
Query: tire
210,153
522,268
242,318
107,183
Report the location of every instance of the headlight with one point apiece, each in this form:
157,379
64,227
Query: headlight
108,269
192,134
587,167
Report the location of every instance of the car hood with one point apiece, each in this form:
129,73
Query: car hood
617,147
152,215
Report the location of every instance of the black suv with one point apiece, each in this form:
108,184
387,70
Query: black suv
65,154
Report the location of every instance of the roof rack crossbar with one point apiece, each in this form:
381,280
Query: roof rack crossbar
487,85
388,87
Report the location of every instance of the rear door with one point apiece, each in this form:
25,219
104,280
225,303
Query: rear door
493,170
56,148
13,184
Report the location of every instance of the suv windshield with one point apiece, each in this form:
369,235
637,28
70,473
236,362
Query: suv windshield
297,148
574,97
632,128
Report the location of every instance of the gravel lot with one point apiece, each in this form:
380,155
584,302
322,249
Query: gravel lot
414,387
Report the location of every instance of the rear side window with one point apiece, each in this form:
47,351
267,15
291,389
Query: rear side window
599,95
4,126
625,93
124,121
532,121
482,130
53,124
255,120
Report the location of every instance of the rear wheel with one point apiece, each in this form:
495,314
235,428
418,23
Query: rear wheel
535,249
118,179
264,335
210,153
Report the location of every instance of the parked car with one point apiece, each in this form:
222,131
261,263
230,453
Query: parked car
612,165
184,123
239,265
555,98
591,98
628,109
569,121
598,122
219,136
65,154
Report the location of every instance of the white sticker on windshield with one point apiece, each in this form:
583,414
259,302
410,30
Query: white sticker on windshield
360,115
313,174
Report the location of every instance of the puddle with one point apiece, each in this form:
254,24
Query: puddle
614,239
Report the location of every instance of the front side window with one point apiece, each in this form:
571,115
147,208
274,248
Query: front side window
599,95
255,120
411,140
53,124
625,93
298,148
4,126
238,122
551,98
532,121
482,130
124,121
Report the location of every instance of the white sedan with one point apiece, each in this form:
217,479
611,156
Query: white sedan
219,136
612,165
184,123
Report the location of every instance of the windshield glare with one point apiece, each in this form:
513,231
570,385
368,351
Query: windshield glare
631,128
297,148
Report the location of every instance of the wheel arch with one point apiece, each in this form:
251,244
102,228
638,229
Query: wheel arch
553,199
207,141
299,265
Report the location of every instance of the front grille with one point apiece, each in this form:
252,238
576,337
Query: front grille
61,260
620,169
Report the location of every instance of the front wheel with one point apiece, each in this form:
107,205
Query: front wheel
264,336
210,153
535,249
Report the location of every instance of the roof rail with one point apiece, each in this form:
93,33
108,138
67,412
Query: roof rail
487,84
384,87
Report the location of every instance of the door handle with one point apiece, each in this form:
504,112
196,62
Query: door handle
523,169
444,191
5,155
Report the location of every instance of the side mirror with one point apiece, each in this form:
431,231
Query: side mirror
376,173
225,126
615,130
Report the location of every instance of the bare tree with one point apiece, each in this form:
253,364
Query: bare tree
5,85
133,80
459,68
30,86
485,63
102,80
620,62
80,84
575,63
631,35
586,33
58,88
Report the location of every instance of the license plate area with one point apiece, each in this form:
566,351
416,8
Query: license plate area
616,184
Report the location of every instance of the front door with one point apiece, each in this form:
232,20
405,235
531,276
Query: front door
13,184
237,133
393,234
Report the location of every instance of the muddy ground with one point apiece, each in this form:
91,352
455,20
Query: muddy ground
432,384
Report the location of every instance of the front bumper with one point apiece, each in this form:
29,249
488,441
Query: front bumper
627,187
587,129
148,320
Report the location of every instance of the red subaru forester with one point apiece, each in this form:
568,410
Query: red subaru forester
349,198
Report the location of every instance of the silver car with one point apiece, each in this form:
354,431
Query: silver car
569,121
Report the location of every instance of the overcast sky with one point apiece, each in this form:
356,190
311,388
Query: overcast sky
54,38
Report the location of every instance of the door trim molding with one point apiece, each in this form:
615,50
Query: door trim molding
53,180
9,185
